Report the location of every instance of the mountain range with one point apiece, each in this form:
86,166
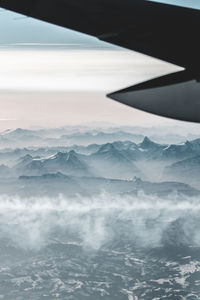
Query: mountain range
118,159
54,184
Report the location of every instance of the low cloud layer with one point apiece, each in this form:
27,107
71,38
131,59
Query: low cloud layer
146,221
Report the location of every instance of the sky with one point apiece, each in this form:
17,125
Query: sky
54,76
18,29
186,3
53,88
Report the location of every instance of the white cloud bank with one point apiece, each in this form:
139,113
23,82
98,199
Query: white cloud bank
150,221
75,70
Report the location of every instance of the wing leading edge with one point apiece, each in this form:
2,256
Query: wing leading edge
159,30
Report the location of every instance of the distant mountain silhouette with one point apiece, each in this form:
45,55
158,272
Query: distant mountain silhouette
110,162
60,183
187,170
68,163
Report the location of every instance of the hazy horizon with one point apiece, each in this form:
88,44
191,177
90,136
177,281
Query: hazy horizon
56,87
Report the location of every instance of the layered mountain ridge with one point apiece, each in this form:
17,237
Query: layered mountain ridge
116,159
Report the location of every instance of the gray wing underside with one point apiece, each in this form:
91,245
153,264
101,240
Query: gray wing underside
169,33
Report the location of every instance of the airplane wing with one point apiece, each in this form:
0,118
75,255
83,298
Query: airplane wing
163,31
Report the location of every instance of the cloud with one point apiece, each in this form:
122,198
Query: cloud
145,221
85,70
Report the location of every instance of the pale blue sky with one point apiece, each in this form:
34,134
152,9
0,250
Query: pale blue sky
187,3
15,28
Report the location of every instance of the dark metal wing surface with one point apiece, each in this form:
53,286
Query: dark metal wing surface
174,96
163,31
